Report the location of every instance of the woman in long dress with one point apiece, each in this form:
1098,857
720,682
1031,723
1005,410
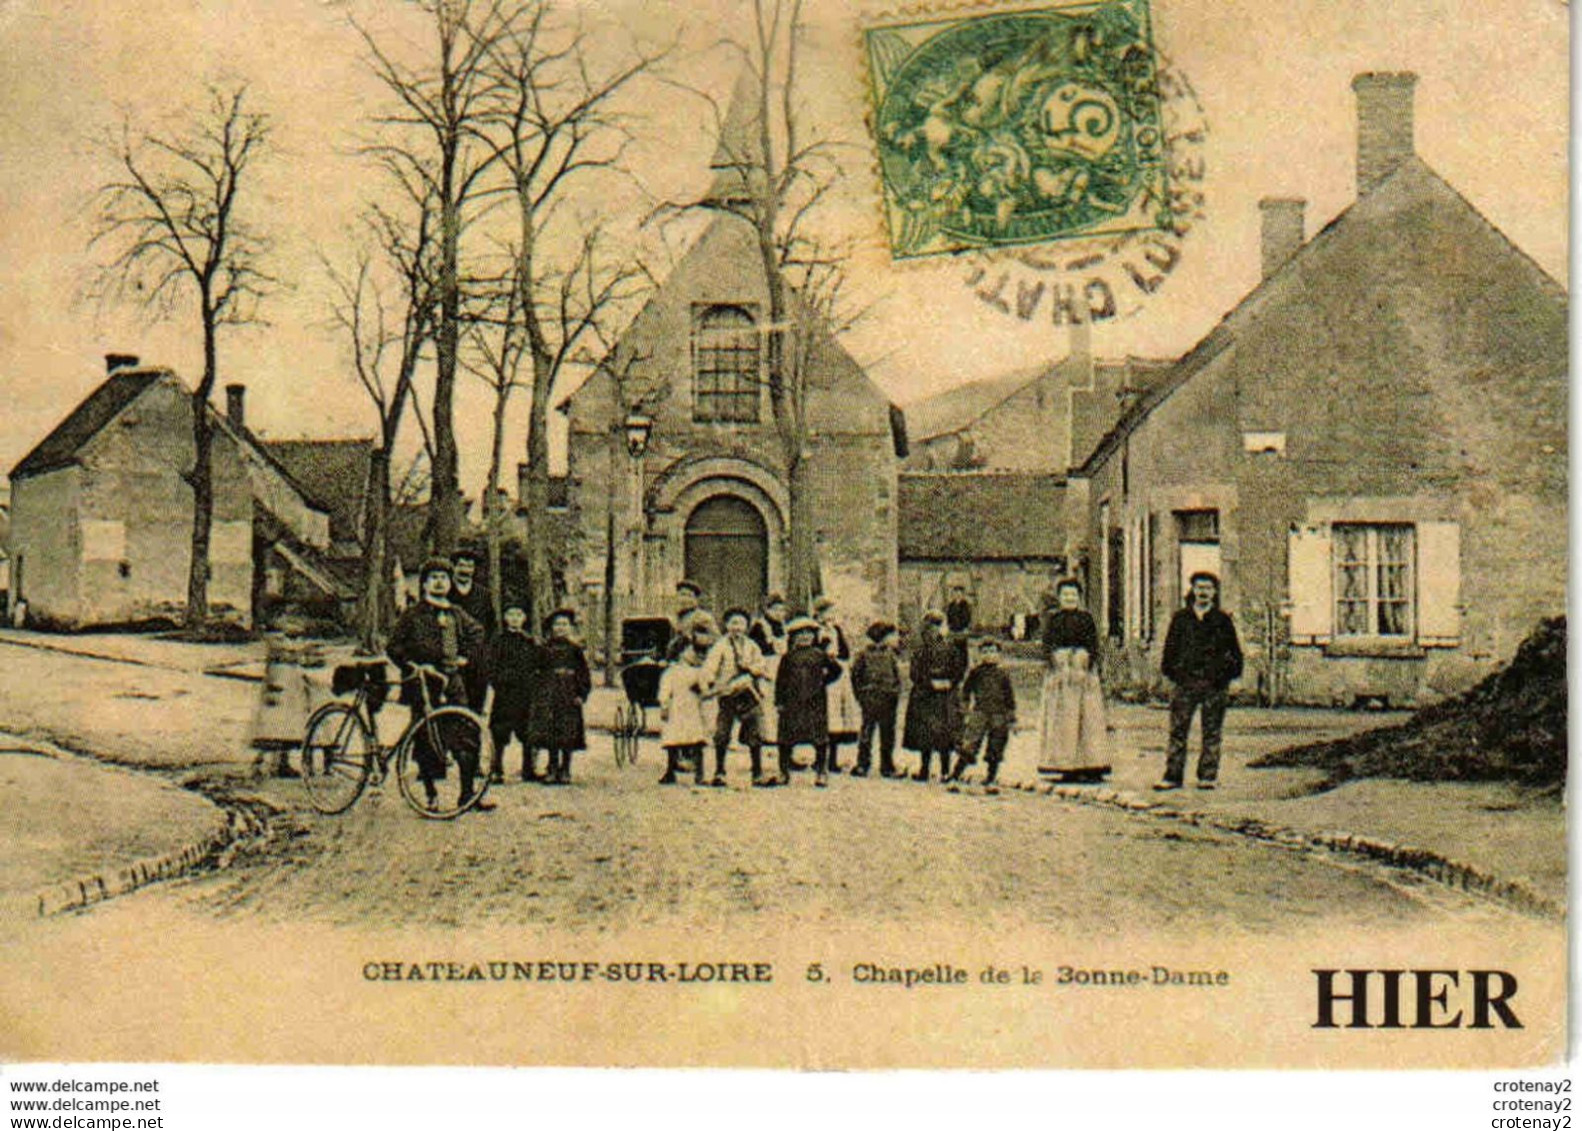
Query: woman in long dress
845,716
1073,741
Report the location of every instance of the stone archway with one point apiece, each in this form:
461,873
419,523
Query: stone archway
682,491
726,551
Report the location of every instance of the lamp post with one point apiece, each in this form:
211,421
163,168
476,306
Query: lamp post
638,427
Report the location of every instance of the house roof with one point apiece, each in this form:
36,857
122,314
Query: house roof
980,516
333,473
954,410
1273,294
59,448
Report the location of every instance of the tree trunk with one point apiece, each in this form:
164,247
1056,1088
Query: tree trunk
535,502
197,612
535,499
443,528
492,518
612,643
803,579
376,508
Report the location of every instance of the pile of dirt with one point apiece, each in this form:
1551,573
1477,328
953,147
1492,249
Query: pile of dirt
1511,728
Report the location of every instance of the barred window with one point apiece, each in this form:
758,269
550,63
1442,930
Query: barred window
726,365
1373,580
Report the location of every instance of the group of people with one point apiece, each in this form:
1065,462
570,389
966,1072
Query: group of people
783,681
790,682
539,686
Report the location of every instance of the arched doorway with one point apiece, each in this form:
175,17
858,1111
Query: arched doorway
727,552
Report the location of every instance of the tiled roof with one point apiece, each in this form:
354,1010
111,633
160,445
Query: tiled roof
980,516
104,404
333,473
1276,297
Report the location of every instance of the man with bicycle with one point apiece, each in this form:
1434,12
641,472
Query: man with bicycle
435,642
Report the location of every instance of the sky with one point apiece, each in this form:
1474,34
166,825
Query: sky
1273,80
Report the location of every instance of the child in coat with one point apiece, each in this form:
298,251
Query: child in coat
991,712
802,698
564,688
684,731
876,680
514,660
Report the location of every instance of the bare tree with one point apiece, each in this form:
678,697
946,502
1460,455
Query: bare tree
496,339
171,219
379,336
433,141
774,179
552,125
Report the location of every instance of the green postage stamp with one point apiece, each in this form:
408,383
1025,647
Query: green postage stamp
1017,128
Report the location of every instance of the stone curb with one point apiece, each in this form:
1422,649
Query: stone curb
1424,862
72,895
96,887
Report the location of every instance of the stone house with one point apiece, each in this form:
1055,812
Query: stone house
1042,421
335,474
704,495
1369,449
995,534
101,521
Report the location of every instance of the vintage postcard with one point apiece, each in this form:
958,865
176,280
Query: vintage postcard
787,533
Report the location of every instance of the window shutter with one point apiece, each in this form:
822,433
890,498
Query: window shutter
1439,584
1311,585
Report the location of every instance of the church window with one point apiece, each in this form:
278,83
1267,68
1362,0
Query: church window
726,362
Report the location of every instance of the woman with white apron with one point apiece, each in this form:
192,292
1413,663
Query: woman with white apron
1073,739
845,716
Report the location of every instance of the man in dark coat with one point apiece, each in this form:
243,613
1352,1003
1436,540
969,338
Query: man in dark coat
958,621
931,709
563,689
801,698
466,594
1201,657
515,660
437,635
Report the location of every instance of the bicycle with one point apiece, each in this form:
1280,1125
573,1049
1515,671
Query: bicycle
341,754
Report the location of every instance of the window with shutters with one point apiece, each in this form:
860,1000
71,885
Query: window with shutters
1373,585
725,355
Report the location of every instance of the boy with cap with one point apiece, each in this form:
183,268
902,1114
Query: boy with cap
514,664
876,680
990,713
732,673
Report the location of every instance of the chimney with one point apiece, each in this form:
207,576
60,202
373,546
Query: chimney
1384,124
114,361
236,405
1284,230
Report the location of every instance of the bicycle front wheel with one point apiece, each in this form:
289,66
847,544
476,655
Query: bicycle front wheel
335,758
442,766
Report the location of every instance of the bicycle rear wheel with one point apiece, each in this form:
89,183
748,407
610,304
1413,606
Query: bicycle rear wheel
442,765
618,735
335,757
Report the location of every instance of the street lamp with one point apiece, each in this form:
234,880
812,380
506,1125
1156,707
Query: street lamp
638,427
